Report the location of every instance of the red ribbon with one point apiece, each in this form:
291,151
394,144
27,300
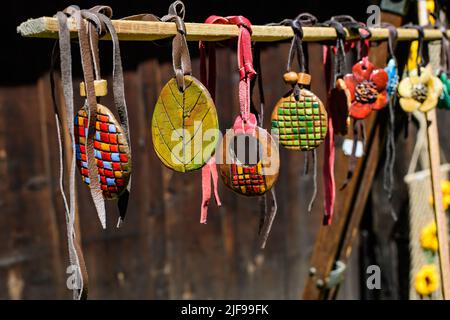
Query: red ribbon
246,121
328,161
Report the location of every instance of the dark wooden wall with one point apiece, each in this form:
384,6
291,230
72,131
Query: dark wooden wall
161,251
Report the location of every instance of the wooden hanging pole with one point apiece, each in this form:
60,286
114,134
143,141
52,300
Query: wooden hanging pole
47,27
435,170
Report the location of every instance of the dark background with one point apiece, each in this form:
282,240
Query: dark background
162,252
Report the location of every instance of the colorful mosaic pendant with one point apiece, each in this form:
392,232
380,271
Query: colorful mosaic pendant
419,92
299,119
179,122
256,176
112,153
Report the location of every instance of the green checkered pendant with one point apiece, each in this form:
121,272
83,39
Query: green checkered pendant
300,121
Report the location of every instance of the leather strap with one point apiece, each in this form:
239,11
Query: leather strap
209,171
267,214
180,52
362,53
329,146
355,27
388,182
80,291
91,106
98,19
246,122
104,14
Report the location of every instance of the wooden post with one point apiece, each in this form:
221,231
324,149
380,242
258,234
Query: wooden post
435,165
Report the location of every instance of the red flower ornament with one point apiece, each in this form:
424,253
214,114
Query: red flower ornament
367,87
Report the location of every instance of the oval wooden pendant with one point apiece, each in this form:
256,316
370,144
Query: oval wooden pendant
185,128
112,153
256,177
300,125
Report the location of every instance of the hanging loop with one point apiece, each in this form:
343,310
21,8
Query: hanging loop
392,41
420,60
180,52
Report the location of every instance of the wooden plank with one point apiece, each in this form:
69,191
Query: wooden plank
329,239
47,27
365,185
435,170
441,219
148,182
30,264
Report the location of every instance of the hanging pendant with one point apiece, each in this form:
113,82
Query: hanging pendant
392,72
248,158
112,153
179,121
339,103
419,92
444,99
367,87
299,120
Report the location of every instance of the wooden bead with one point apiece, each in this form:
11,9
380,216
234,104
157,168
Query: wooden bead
290,77
101,88
304,79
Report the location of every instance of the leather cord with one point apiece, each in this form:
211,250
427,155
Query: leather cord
80,289
296,50
339,50
388,181
362,55
91,107
180,52
267,214
98,23
104,14
246,119
329,148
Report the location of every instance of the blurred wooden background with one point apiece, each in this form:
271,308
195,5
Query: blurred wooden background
162,252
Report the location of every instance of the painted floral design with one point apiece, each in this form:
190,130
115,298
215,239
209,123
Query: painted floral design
419,92
367,86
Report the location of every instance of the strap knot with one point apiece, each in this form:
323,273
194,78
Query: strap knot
240,21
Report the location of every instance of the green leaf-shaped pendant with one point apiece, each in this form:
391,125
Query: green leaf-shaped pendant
185,128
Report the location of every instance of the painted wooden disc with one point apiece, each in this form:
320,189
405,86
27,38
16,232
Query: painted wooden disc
112,153
249,179
185,128
300,125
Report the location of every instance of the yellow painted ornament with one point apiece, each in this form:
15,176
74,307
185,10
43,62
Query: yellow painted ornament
427,280
179,123
419,92
428,237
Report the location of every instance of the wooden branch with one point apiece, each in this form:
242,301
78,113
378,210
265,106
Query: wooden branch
47,27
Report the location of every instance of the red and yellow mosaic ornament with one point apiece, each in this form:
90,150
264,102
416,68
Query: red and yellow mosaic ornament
111,149
256,176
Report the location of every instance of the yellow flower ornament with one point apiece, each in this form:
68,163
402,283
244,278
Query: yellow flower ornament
426,281
428,237
419,92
